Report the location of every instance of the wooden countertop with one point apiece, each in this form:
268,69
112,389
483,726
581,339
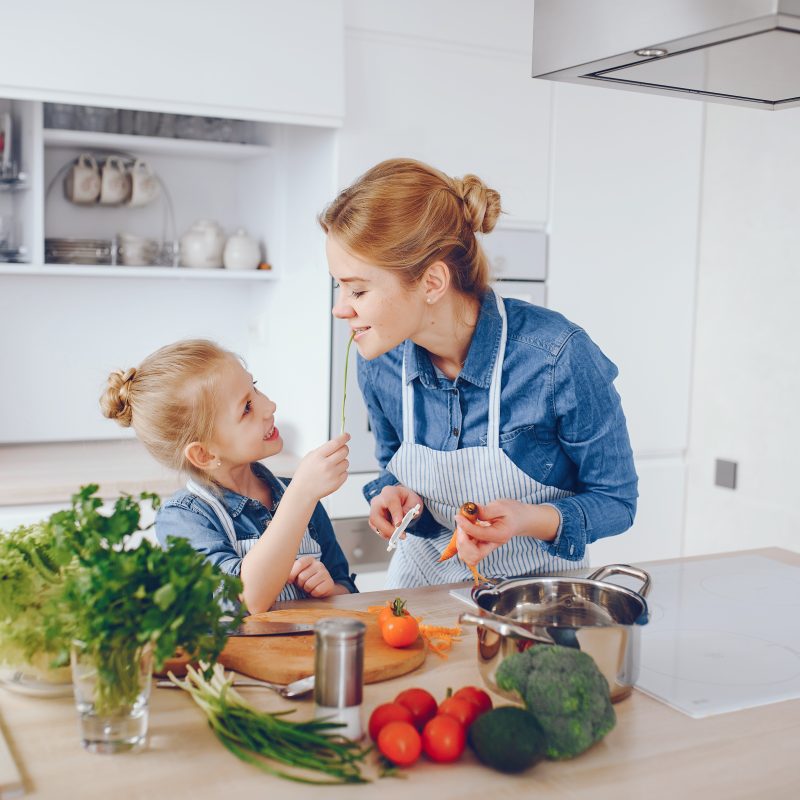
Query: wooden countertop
53,472
654,751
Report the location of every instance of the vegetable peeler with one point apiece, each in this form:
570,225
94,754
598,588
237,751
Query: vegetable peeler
404,523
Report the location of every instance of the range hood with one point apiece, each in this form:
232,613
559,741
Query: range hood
744,52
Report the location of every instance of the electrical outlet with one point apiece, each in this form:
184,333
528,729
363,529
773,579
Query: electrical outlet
725,474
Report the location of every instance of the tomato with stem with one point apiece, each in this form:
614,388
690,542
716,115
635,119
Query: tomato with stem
460,709
477,696
398,627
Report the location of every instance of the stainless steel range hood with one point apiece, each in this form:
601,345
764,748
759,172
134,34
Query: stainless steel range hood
744,52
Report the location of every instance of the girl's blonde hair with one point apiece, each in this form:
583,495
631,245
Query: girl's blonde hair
404,215
170,399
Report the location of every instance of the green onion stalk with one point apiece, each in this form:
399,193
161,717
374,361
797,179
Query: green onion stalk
346,362
261,738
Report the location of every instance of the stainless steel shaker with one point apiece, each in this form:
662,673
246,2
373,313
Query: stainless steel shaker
339,672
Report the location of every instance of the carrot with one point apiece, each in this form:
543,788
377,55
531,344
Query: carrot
439,638
470,511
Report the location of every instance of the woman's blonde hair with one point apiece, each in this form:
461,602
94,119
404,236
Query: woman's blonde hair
404,215
170,399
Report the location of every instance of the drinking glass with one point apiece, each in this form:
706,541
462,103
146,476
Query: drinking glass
111,696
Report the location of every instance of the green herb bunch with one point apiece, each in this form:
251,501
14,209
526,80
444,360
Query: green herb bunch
267,740
34,628
113,595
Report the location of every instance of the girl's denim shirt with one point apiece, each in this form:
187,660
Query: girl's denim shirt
561,418
188,516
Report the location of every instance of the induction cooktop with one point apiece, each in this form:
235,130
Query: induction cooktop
723,634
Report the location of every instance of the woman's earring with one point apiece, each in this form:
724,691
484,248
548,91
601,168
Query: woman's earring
428,300
219,463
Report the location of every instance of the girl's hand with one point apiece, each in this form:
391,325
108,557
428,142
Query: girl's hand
387,509
497,522
324,470
312,576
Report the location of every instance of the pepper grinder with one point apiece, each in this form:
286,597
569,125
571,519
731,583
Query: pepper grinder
339,673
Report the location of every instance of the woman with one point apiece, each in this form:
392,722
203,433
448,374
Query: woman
471,397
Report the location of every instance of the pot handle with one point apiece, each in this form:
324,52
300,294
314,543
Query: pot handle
623,569
503,627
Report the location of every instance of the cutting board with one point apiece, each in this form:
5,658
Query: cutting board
283,659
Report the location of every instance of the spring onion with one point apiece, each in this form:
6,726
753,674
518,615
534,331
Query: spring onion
346,362
261,738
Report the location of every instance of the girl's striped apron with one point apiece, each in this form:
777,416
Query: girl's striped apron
308,545
447,479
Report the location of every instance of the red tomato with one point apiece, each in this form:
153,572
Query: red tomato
443,739
460,709
400,743
420,703
384,614
385,713
400,631
390,610
477,696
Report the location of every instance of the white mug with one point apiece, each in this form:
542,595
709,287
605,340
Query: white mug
115,183
82,183
144,184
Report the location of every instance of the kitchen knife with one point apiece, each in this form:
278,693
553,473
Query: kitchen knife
264,628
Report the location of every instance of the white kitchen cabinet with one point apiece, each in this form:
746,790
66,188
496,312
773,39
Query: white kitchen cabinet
64,327
262,60
446,99
657,529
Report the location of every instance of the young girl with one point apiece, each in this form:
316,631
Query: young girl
197,410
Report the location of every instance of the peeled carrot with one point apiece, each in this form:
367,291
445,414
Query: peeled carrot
470,511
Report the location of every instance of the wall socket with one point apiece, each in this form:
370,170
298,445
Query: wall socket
725,474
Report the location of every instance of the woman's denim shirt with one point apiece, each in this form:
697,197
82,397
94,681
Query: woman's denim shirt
561,419
188,516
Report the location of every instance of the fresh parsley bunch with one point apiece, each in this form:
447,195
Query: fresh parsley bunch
95,584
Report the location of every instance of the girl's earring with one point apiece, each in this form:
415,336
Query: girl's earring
219,463
428,300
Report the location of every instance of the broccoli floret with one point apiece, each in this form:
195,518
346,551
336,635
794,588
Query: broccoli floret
565,691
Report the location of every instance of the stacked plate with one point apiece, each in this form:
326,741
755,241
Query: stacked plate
77,251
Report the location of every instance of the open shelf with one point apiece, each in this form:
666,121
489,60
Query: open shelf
181,273
175,148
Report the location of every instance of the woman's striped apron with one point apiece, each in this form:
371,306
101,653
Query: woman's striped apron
308,545
447,479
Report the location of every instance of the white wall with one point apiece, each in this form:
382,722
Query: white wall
746,379
623,240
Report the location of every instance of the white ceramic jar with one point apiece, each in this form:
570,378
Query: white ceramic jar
202,244
241,251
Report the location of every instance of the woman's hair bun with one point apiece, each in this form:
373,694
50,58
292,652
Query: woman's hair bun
115,402
481,204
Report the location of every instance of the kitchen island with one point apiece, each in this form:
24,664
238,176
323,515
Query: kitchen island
653,752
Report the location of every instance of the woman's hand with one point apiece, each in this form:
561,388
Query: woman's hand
387,509
312,576
324,470
498,521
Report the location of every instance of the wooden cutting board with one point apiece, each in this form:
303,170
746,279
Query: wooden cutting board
283,659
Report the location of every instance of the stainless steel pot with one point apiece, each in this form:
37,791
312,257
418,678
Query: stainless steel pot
599,618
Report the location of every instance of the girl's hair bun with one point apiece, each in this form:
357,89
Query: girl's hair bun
114,402
481,204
